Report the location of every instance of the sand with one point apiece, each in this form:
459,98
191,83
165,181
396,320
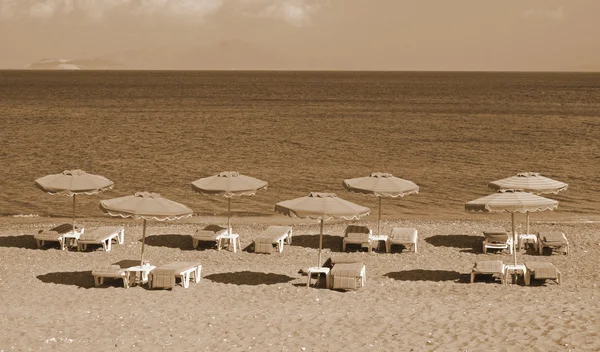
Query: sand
259,302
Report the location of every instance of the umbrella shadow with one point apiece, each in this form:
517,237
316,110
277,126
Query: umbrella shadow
128,263
170,241
334,243
424,275
20,241
456,241
249,278
82,279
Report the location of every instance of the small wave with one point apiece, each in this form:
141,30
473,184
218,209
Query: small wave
25,216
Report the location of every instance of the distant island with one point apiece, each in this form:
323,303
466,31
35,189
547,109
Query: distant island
73,64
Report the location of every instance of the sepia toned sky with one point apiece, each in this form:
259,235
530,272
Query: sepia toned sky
507,35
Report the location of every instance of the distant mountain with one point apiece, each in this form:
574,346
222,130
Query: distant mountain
73,64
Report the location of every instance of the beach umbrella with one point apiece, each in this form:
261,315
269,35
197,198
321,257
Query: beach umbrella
529,182
146,206
321,206
511,201
380,184
72,183
229,184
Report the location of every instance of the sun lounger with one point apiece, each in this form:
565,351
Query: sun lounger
346,274
553,240
358,234
110,271
541,271
210,233
273,237
165,276
405,236
497,239
102,236
61,234
488,267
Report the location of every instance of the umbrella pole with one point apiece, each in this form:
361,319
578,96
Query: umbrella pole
74,195
379,218
320,244
512,215
229,215
527,223
143,241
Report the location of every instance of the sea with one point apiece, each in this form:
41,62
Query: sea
449,132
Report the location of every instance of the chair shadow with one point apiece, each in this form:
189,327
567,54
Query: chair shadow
424,275
82,279
249,278
334,243
20,241
456,241
182,242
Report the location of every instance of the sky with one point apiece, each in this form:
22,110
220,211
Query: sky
438,35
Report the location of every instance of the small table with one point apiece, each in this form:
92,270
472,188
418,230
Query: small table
526,238
318,271
512,269
379,239
70,238
233,238
139,274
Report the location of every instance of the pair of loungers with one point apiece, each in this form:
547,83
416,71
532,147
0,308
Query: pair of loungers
341,274
65,236
532,270
363,236
165,276
501,239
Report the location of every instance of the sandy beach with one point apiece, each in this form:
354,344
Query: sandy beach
259,302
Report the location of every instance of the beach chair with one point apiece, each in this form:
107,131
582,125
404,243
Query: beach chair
346,274
488,267
358,234
541,271
103,236
553,240
62,234
405,236
110,271
210,233
165,276
273,239
497,239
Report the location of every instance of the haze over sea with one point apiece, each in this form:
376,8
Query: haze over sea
451,133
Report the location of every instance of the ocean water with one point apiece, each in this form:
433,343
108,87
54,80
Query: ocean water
451,133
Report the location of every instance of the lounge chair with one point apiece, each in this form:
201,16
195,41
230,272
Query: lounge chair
553,240
110,271
165,276
405,236
210,233
497,239
358,234
541,271
102,236
346,274
488,267
61,234
273,237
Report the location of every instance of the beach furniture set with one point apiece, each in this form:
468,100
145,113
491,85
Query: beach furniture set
363,236
165,276
67,237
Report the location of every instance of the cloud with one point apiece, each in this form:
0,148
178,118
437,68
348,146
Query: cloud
554,14
295,12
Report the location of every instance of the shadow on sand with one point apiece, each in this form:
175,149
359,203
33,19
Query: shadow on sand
334,243
20,241
456,241
82,279
183,242
249,278
424,275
